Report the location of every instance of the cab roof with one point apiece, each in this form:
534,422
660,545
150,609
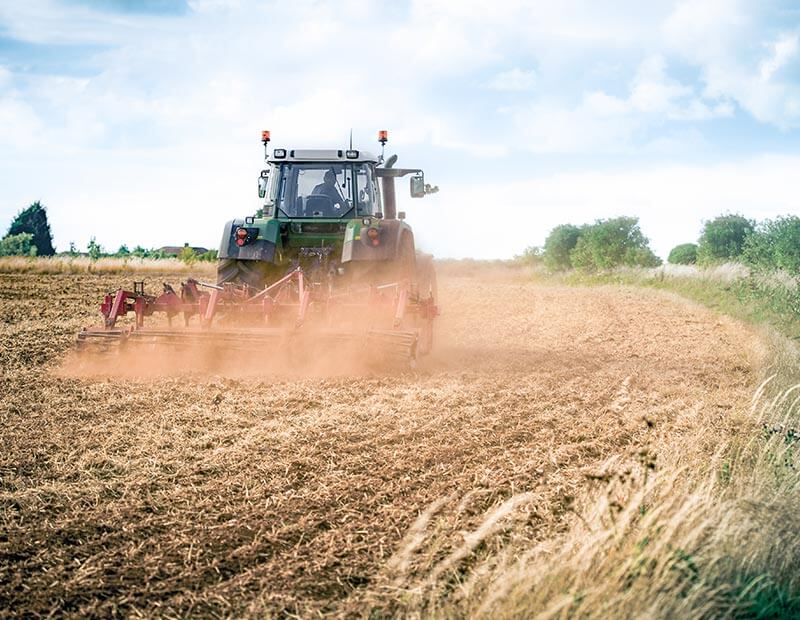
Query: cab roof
322,155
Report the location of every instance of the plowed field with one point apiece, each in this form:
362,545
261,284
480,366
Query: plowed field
213,493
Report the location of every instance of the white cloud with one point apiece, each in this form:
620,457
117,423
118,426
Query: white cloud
671,201
169,121
20,126
603,122
652,91
211,6
600,123
783,49
515,79
741,57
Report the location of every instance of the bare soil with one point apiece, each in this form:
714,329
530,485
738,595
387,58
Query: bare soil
214,493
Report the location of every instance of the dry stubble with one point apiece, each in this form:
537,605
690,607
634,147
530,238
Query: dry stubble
216,493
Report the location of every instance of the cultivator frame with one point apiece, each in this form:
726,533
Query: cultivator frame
276,315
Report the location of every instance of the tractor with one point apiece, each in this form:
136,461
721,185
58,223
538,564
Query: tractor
327,257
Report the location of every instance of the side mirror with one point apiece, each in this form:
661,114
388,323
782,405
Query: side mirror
417,186
262,185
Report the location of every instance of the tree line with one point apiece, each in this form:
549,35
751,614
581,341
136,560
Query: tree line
617,242
604,244
29,235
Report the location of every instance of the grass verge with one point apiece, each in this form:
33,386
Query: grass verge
757,298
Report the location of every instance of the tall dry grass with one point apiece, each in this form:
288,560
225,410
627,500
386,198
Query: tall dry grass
693,537
108,265
702,540
705,534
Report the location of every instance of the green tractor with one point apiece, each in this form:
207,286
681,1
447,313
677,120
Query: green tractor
327,256
330,209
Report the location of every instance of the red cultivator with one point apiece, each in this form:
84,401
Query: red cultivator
388,321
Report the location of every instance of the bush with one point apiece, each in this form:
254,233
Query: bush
33,221
17,245
612,243
187,255
723,238
209,256
775,244
94,249
558,245
532,255
683,254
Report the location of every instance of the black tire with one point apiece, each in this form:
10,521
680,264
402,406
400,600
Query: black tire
250,272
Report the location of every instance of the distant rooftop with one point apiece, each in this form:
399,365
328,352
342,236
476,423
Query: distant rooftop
174,250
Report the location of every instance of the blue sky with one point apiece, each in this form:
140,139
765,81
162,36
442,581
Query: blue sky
138,122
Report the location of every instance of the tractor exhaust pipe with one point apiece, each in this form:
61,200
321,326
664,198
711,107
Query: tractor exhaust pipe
387,189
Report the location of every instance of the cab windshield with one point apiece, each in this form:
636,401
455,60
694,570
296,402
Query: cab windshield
326,190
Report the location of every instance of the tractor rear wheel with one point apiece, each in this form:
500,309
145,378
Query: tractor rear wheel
250,272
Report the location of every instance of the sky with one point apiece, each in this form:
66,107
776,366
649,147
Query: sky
139,122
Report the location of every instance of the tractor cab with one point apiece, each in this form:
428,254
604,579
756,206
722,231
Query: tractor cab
329,184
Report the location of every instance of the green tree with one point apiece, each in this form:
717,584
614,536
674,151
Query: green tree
187,255
532,255
33,221
558,246
209,256
17,245
612,243
683,254
123,251
723,238
73,249
94,249
775,244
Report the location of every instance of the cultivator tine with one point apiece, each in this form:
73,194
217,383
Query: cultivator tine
100,341
391,345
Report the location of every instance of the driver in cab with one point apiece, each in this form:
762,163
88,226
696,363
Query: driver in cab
328,188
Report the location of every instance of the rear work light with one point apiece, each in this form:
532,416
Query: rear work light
351,154
373,234
279,153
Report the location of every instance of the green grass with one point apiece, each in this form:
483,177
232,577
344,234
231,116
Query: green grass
754,298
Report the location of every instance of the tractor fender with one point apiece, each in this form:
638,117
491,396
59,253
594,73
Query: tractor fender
261,248
357,245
